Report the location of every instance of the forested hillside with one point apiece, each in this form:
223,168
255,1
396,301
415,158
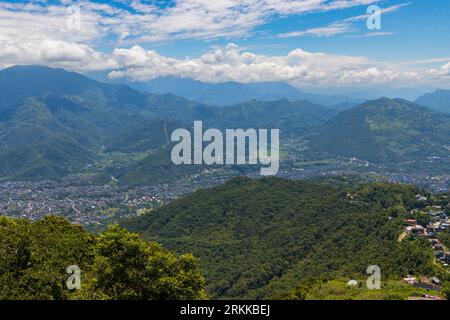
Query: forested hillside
438,100
257,238
386,131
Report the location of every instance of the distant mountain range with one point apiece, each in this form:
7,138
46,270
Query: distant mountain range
386,130
438,100
375,92
228,93
54,122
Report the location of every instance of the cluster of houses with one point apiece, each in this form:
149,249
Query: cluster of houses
438,222
429,284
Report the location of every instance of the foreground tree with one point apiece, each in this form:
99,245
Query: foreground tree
128,267
34,257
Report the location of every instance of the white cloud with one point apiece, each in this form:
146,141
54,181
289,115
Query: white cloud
330,30
55,53
298,67
33,23
230,63
440,73
143,22
371,34
36,33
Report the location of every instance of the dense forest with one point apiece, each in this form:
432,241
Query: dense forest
252,238
116,264
259,238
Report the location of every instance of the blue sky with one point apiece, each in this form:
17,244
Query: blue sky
303,42
422,24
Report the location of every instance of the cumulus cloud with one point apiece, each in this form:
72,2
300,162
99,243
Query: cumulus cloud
440,73
231,63
55,53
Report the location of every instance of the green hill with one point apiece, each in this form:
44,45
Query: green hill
257,238
155,168
292,118
438,100
54,122
385,131
20,82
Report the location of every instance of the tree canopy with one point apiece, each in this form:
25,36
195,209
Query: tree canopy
117,264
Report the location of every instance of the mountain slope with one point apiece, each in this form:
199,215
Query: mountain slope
54,122
256,238
385,130
438,100
34,144
292,118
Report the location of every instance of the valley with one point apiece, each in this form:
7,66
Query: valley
99,154
97,200
236,151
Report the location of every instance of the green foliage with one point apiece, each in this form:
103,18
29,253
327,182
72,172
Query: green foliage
445,237
257,238
127,267
115,265
35,256
157,167
446,290
337,289
385,131
293,118
54,122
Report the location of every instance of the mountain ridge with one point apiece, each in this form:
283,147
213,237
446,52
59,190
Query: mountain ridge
438,100
385,130
229,92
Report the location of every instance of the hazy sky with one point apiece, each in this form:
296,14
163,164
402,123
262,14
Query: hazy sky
305,42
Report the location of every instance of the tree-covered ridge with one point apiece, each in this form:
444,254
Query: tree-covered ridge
257,238
438,100
117,264
385,131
